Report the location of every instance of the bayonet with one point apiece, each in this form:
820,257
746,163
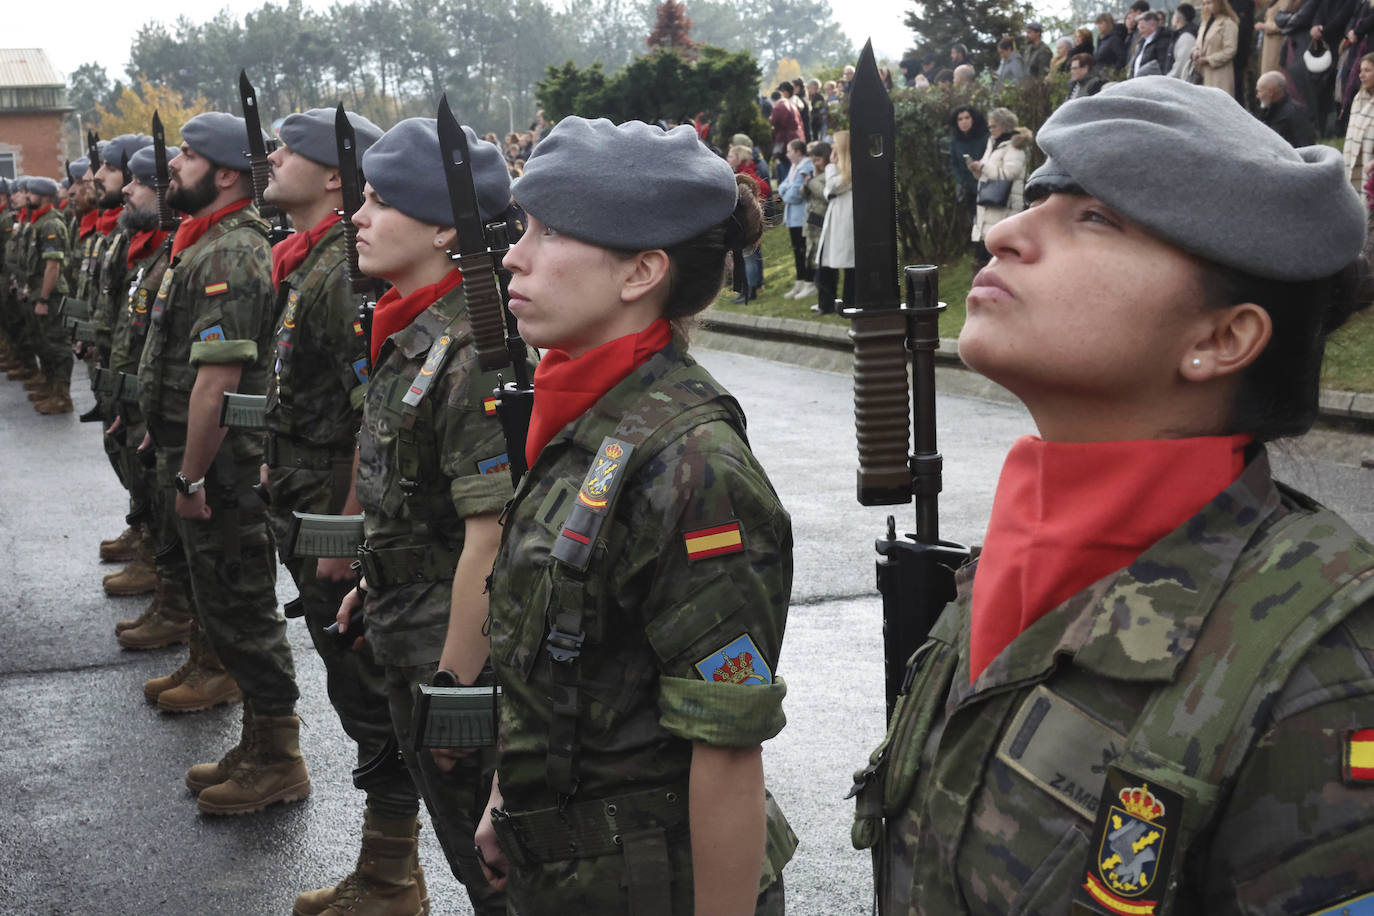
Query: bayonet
67,167
257,149
93,150
166,219
351,194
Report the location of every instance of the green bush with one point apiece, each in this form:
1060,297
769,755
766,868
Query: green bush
930,227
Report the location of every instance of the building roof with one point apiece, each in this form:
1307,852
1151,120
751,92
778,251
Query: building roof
28,68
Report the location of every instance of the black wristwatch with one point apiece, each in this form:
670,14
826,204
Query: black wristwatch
187,487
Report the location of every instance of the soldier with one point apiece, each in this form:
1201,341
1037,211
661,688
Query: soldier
314,409
640,594
210,333
44,284
431,471
7,221
1161,654
24,367
167,618
81,215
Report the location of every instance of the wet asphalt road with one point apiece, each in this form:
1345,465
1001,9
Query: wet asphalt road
93,814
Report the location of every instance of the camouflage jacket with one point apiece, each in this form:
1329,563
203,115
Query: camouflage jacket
132,319
108,291
91,248
214,305
1171,738
683,604
47,241
315,396
9,221
16,248
422,469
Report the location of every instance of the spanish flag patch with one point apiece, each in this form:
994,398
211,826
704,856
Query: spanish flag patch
1362,905
713,542
489,406
1357,756
358,328
214,289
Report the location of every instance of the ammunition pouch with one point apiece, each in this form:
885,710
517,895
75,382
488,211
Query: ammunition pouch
395,566
283,452
294,608
637,825
385,766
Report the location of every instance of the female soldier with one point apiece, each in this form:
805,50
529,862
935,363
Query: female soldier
430,479
645,565
1156,697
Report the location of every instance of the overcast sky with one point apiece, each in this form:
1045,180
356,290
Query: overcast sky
70,46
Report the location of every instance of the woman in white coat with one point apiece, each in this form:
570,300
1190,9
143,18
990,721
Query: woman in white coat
1004,160
836,250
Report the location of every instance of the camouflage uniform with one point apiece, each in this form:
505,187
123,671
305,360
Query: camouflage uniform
47,241
422,470
214,306
314,406
684,599
9,231
108,290
1221,671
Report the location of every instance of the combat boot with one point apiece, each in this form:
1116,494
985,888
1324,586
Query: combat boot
123,548
23,372
204,775
271,771
137,578
387,881
36,384
59,400
155,630
205,685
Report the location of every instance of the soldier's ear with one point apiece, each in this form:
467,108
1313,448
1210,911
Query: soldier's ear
332,181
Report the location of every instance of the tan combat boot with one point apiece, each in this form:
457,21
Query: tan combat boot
58,401
23,372
387,881
204,775
123,548
271,771
137,578
205,685
37,387
158,628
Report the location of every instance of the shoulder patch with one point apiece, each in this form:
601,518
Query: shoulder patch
214,289
360,369
1357,756
420,386
713,542
494,465
357,328
212,333
489,406
737,662
1362,905
1132,843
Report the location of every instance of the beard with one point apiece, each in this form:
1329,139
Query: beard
132,220
111,199
196,197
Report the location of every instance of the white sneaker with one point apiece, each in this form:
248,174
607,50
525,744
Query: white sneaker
808,289
792,293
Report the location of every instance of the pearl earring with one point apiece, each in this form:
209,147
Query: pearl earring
1197,363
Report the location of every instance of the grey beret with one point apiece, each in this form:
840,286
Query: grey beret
311,133
143,164
112,154
4,186
79,167
45,187
1191,166
219,137
629,186
20,184
406,169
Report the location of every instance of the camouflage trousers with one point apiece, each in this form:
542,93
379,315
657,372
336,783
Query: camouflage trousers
233,572
456,799
12,321
355,682
52,343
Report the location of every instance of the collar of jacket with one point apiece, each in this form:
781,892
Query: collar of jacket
332,239
440,318
1140,623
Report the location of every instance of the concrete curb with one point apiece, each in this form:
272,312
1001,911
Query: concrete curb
827,347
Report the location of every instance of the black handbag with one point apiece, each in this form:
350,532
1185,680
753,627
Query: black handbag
994,193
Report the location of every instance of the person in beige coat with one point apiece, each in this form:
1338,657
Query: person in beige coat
1004,160
1217,40
1272,44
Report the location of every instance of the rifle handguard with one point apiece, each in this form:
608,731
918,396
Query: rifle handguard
882,411
485,311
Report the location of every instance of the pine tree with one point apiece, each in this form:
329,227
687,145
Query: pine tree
976,24
673,31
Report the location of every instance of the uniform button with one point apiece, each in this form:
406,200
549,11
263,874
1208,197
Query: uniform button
611,810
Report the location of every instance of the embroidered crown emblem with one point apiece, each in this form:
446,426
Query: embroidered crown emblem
1141,803
614,451
736,670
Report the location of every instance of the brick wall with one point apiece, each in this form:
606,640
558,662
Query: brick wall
35,139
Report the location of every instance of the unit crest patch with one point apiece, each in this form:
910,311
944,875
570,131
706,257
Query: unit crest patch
212,333
738,662
494,465
1137,823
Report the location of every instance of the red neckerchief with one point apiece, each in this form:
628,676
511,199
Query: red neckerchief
288,254
62,204
565,387
39,215
395,312
107,220
1068,513
192,228
88,223
145,243
23,215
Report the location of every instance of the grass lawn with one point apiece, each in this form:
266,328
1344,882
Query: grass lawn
1349,354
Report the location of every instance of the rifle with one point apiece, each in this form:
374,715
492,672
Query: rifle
351,192
494,330
93,150
166,219
916,571
257,157
243,411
